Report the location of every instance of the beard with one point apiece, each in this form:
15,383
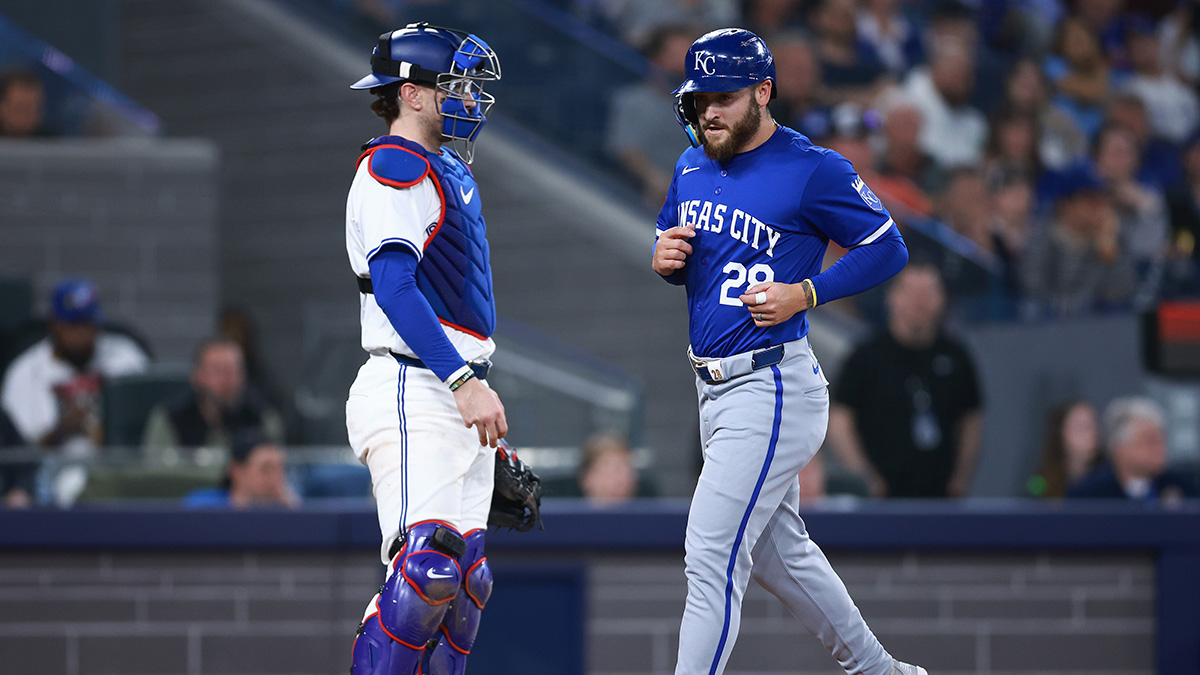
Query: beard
737,137
79,357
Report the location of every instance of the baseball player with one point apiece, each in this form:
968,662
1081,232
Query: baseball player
419,414
750,211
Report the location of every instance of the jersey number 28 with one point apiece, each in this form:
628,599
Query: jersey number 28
758,274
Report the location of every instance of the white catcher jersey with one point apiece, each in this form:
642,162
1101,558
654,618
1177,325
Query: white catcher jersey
378,214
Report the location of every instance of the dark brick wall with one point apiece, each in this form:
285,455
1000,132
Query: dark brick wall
952,613
241,613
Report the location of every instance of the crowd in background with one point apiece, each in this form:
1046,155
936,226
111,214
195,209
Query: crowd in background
1059,138
52,400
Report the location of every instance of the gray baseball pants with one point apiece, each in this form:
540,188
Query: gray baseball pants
758,429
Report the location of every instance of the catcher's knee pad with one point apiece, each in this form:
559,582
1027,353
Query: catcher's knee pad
477,581
461,623
425,577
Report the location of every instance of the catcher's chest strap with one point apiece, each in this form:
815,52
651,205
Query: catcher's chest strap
365,286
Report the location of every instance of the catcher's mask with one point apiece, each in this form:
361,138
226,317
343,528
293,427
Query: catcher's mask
725,60
456,64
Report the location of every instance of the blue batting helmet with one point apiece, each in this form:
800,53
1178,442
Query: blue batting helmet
729,59
455,63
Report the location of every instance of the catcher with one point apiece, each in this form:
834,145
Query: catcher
420,414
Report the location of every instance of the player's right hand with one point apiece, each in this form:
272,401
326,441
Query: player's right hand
672,249
480,407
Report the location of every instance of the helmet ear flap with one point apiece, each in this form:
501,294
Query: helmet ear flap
688,118
687,104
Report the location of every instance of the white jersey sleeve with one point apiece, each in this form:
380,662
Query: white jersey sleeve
27,395
378,214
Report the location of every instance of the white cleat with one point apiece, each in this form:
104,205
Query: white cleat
899,668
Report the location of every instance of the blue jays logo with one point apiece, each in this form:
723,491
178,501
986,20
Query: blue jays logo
704,62
867,196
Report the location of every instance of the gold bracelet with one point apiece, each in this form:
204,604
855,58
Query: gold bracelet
812,293
462,379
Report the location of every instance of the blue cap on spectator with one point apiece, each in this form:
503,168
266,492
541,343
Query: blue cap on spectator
75,300
1078,178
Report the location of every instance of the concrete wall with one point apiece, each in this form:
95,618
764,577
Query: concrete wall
243,613
137,217
1027,369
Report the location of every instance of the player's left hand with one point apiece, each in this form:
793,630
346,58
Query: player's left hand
780,302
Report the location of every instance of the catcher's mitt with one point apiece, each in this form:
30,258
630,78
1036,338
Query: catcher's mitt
517,497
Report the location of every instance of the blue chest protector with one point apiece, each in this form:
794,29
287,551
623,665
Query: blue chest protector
455,273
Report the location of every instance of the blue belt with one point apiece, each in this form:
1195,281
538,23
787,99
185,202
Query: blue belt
480,366
760,359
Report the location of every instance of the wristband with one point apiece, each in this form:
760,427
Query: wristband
462,379
812,293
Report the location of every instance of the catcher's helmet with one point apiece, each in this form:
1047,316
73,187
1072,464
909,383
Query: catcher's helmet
455,63
723,60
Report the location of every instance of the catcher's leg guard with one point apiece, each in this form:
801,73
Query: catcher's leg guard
462,621
425,577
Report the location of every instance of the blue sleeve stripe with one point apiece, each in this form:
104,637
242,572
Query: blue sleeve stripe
395,240
877,233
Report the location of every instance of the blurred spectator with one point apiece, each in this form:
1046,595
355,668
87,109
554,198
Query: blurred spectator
906,408
1070,449
1159,159
965,206
1037,21
1076,264
18,480
235,324
1011,197
1136,463
812,480
1141,209
1179,33
901,156
22,105
217,407
851,69
953,132
637,21
51,390
606,473
1102,18
896,40
1012,147
1081,76
798,77
767,17
1027,91
851,139
1172,107
1184,204
958,22
643,135
254,477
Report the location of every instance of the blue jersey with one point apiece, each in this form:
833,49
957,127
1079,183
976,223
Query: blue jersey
765,215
